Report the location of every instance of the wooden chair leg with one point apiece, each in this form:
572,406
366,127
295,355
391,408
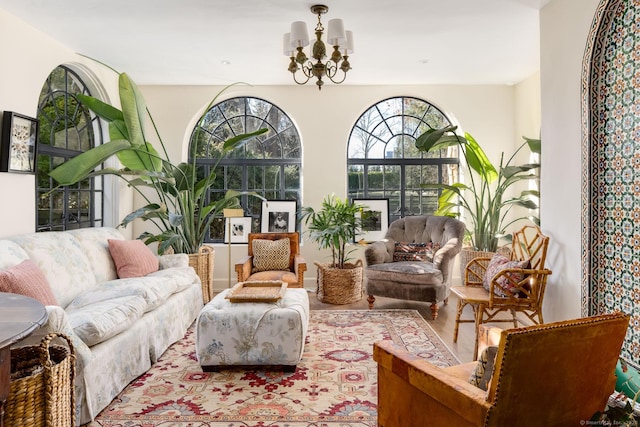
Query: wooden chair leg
371,299
479,313
434,310
461,305
515,320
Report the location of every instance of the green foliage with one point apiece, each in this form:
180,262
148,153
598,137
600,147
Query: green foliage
179,208
334,226
485,197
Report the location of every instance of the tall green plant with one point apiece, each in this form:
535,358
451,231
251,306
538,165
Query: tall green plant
179,207
485,197
334,226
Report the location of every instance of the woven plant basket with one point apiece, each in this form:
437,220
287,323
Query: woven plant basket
41,391
202,263
466,255
339,285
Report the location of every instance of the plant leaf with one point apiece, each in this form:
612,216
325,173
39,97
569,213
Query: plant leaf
133,109
233,142
79,167
102,109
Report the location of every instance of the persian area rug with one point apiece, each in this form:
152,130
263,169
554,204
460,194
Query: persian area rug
335,384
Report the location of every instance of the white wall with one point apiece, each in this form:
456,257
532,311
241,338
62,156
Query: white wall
564,25
324,120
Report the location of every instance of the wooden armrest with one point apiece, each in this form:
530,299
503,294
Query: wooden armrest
243,267
446,392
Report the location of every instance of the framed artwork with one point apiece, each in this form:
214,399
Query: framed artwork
19,143
278,216
237,229
374,214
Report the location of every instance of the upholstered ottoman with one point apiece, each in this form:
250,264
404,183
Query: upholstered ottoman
249,333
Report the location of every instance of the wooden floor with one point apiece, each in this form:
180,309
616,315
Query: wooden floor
443,325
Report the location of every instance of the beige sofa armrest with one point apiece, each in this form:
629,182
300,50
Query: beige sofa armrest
173,260
57,321
410,388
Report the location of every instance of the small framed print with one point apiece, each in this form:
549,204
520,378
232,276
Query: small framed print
278,216
237,229
374,214
19,143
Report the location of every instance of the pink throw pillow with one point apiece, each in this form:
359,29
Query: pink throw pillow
27,279
132,258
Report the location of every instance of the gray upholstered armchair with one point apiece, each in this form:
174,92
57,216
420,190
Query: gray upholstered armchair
415,260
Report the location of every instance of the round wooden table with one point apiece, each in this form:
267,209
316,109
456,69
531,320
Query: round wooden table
19,317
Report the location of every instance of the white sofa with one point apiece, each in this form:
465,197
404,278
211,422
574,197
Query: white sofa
119,327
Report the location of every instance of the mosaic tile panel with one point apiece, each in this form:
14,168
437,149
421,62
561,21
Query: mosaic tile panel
612,209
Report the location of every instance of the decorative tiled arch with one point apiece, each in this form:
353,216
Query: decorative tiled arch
611,167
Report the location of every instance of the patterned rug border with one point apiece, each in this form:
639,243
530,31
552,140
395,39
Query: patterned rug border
432,348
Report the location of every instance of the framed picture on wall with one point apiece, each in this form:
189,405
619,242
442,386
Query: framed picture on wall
374,214
237,229
19,143
278,216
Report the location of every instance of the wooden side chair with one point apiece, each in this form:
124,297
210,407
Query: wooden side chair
498,284
273,256
556,374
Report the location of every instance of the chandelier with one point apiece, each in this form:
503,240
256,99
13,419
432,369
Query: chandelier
298,38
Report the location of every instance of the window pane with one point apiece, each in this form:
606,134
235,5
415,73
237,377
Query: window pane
383,161
269,164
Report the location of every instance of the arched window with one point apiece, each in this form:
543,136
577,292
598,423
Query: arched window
269,165
66,129
383,162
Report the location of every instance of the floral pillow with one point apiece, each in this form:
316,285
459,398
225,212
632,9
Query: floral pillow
415,251
481,375
496,265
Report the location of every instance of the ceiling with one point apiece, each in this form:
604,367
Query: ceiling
194,42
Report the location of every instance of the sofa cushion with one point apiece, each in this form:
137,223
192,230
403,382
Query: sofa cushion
271,254
281,275
27,279
181,277
414,272
415,251
154,291
481,375
498,263
132,258
11,254
62,261
95,323
93,241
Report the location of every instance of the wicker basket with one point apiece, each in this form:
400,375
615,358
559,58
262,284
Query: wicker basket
340,285
41,391
466,255
202,263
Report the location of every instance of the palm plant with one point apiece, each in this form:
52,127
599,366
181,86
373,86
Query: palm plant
334,226
179,205
485,198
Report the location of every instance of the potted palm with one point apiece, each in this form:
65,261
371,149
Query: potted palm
176,196
335,227
486,198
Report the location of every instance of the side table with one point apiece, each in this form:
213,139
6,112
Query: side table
19,317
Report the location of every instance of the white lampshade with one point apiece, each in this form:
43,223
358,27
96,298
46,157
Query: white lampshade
299,34
287,49
335,32
347,46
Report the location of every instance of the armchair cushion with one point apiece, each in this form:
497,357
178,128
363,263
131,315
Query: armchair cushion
415,251
497,264
271,254
483,371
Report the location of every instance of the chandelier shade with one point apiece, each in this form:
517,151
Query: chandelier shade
302,67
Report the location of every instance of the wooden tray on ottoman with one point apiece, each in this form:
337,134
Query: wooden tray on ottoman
257,291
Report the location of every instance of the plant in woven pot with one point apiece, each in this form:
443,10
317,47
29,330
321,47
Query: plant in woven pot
334,227
177,195
486,198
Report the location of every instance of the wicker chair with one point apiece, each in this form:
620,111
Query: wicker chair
556,374
513,290
293,275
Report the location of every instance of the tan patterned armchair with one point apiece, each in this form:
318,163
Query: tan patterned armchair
555,374
270,258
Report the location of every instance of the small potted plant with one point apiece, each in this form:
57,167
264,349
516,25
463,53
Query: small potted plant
335,227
